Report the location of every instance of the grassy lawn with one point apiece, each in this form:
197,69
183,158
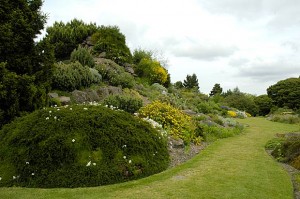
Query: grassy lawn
235,167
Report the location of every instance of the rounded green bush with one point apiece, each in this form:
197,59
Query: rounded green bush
79,146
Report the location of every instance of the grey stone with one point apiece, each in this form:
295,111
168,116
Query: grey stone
64,100
53,95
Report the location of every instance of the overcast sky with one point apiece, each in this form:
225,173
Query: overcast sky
251,44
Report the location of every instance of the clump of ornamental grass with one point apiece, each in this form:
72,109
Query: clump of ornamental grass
79,146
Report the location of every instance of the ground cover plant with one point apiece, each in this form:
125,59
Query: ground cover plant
79,146
287,149
236,167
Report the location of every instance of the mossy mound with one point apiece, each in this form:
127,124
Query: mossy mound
79,146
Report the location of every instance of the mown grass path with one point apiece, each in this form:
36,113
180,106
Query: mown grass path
236,167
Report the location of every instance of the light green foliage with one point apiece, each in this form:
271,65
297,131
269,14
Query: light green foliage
285,118
83,56
114,74
152,71
139,54
68,77
79,146
178,124
286,93
110,40
126,102
65,37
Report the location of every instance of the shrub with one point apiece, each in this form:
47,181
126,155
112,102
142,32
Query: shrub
83,56
68,77
212,133
152,71
114,74
287,118
125,102
110,40
79,146
178,124
232,113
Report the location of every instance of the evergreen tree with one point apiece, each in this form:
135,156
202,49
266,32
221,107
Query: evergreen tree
217,89
25,66
191,82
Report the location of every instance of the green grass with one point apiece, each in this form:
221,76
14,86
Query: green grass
236,167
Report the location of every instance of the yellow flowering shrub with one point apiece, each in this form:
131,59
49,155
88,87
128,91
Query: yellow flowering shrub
177,123
232,113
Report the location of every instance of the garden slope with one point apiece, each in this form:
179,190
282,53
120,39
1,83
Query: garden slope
236,167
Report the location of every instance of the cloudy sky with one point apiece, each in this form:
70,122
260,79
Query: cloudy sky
251,44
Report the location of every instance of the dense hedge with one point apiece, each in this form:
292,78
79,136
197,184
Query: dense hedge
79,146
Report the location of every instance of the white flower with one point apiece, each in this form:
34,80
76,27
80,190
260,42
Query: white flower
85,108
73,140
71,109
14,177
27,162
55,105
94,164
0,178
124,157
89,164
47,118
55,117
50,112
129,161
32,174
124,146
58,109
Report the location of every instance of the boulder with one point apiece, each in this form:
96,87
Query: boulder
176,143
53,95
64,100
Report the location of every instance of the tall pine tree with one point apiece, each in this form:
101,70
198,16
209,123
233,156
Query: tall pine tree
191,82
25,66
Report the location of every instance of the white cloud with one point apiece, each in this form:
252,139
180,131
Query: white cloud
250,44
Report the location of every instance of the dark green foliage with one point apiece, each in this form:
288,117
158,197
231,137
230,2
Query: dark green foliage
130,104
216,90
264,104
114,74
25,69
79,146
208,107
110,40
68,77
286,93
66,37
289,149
178,85
275,142
242,102
191,82
83,56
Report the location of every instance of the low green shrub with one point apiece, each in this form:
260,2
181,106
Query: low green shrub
68,77
79,146
114,74
83,56
130,104
285,118
288,150
177,123
212,133
273,143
